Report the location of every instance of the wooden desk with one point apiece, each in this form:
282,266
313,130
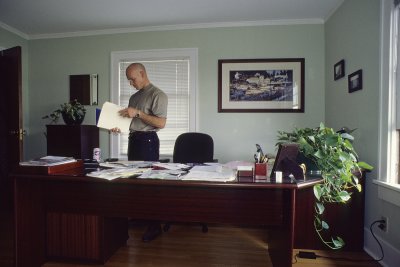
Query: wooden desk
262,204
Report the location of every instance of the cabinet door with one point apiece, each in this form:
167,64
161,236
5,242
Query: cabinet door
345,220
76,141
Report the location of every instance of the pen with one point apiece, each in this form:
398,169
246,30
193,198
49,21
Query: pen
260,156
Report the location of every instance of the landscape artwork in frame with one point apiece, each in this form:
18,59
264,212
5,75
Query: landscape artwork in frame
355,82
339,70
261,85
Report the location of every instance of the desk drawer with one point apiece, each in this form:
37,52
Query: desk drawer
84,237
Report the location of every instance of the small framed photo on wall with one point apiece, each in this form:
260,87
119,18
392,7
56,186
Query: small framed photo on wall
355,81
338,70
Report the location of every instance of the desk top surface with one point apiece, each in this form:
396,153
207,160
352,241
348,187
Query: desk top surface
78,175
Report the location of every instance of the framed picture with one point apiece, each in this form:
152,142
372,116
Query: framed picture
338,70
261,85
355,81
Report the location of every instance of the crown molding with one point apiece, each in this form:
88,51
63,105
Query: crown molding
13,30
177,27
334,10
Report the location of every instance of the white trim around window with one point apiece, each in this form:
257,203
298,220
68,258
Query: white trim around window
388,187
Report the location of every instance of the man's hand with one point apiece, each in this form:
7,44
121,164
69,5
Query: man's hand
128,112
115,130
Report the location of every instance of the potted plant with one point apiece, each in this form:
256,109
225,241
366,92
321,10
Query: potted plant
72,113
331,153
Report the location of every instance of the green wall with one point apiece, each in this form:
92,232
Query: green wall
353,34
235,135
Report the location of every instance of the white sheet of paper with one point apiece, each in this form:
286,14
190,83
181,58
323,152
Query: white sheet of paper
110,118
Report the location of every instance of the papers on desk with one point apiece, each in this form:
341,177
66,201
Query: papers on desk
48,161
110,174
165,171
162,174
127,164
110,118
171,166
212,173
140,169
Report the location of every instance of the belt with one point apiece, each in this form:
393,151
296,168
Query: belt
141,132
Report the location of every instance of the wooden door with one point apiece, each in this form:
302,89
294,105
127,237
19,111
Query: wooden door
11,142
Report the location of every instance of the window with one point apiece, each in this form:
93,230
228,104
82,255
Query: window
390,103
394,98
395,79
173,71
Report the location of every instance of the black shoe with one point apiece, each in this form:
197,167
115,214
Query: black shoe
152,232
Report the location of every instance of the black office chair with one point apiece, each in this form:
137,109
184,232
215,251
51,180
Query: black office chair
193,148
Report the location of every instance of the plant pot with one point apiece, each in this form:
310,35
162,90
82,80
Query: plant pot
69,120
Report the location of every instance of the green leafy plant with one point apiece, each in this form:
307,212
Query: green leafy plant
72,113
333,154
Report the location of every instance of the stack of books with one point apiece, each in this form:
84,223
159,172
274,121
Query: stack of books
48,161
50,164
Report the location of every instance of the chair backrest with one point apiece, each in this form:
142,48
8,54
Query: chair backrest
193,148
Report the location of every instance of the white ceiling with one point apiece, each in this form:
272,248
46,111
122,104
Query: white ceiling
46,18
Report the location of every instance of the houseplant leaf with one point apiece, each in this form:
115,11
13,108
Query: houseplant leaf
365,166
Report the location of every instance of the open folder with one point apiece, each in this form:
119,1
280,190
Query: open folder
110,118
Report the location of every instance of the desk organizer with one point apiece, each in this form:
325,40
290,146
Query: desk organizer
260,169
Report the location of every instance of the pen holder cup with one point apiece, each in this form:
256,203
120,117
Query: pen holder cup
260,169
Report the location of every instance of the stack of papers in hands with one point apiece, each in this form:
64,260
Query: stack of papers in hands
48,161
110,118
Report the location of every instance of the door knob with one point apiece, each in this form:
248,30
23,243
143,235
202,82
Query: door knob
19,132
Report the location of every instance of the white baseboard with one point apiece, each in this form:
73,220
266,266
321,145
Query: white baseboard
392,254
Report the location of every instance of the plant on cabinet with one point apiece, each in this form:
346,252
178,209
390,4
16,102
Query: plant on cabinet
332,154
72,113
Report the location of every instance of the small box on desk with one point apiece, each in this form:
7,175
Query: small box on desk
50,169
245,171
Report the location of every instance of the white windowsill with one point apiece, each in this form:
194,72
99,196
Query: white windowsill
388,192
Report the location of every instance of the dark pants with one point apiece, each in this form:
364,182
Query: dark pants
144,146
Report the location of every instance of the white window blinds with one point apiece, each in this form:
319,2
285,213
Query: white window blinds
396,59
171,76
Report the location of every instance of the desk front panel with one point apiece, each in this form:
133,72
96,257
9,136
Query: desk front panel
230,203
253,206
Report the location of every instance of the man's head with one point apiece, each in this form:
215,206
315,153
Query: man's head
137,75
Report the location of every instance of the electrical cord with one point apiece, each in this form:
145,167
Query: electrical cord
312,255
376,239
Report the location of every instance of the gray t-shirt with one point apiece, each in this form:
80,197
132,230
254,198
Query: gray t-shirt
150,100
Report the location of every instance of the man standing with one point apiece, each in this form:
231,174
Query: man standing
148,110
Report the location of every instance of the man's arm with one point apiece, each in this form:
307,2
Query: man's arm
152,120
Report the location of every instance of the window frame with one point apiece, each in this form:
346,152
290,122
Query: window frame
387,181
148,55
